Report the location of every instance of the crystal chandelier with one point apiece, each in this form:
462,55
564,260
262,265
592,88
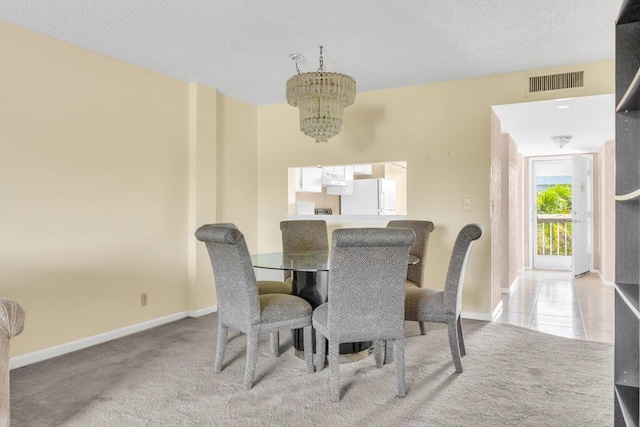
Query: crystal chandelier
321,97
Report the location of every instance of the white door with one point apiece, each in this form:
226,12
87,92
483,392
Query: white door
550,251
580,215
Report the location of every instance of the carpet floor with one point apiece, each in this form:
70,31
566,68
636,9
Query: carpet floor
164,377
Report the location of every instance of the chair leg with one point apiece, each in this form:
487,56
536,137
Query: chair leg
334,370
275,343
463,351
377,351
422,330
252,359
223,332
308,348
452,328
400,379
388,352
321,351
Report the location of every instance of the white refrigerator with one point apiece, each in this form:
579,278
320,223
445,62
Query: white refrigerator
370,197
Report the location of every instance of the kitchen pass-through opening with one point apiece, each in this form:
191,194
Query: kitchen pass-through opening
373,189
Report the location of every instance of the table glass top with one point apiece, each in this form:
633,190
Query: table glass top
306,261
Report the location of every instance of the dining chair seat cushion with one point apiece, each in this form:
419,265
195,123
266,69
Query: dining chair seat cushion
284,311
274,287
421,303
320,319
410,284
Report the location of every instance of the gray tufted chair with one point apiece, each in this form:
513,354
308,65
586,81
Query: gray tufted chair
366,297
415,272
239,304
11,324
302,236
266,286
431,305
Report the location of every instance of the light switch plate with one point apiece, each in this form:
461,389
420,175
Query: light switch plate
466,204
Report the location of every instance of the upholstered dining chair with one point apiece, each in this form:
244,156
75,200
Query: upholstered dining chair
366,297
266,286
241,307
11,324
303,235
443,306
415,272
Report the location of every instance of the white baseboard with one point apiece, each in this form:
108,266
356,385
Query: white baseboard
203,311
496,311
476,316
516,280
512,286
606,282
59,350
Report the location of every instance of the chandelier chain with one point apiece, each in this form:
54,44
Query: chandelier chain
321,61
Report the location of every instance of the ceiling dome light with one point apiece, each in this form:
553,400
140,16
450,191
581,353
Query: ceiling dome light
561,140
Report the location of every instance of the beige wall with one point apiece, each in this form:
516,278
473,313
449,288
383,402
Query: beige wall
106,171
443,130
203,143
237,167
93,176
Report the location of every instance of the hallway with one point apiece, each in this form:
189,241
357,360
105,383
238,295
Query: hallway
555,303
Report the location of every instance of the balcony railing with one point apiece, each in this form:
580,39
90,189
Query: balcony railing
554,234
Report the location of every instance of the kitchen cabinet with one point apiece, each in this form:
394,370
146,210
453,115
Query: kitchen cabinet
346,190
363,169
348,173
338,180
308,180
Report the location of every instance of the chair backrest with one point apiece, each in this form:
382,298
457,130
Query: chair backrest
423,229
367,283
457,266
304,235
236,287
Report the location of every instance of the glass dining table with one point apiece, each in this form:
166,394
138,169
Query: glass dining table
310,281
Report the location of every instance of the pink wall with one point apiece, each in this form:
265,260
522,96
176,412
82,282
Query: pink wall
516,192
604,207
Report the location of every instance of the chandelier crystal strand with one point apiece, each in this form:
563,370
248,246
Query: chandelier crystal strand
321,97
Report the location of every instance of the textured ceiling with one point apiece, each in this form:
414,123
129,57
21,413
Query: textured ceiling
590,120
242,47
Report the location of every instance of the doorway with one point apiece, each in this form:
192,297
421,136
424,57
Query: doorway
520,132
561,206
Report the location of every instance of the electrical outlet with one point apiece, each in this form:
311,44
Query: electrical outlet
144,299
466,204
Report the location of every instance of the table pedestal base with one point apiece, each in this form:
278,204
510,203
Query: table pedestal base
343,358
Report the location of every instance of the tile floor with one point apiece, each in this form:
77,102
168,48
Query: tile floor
555,303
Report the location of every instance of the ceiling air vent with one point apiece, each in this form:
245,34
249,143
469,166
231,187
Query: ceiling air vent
556,81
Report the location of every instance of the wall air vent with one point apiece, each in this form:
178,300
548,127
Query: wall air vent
560,81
